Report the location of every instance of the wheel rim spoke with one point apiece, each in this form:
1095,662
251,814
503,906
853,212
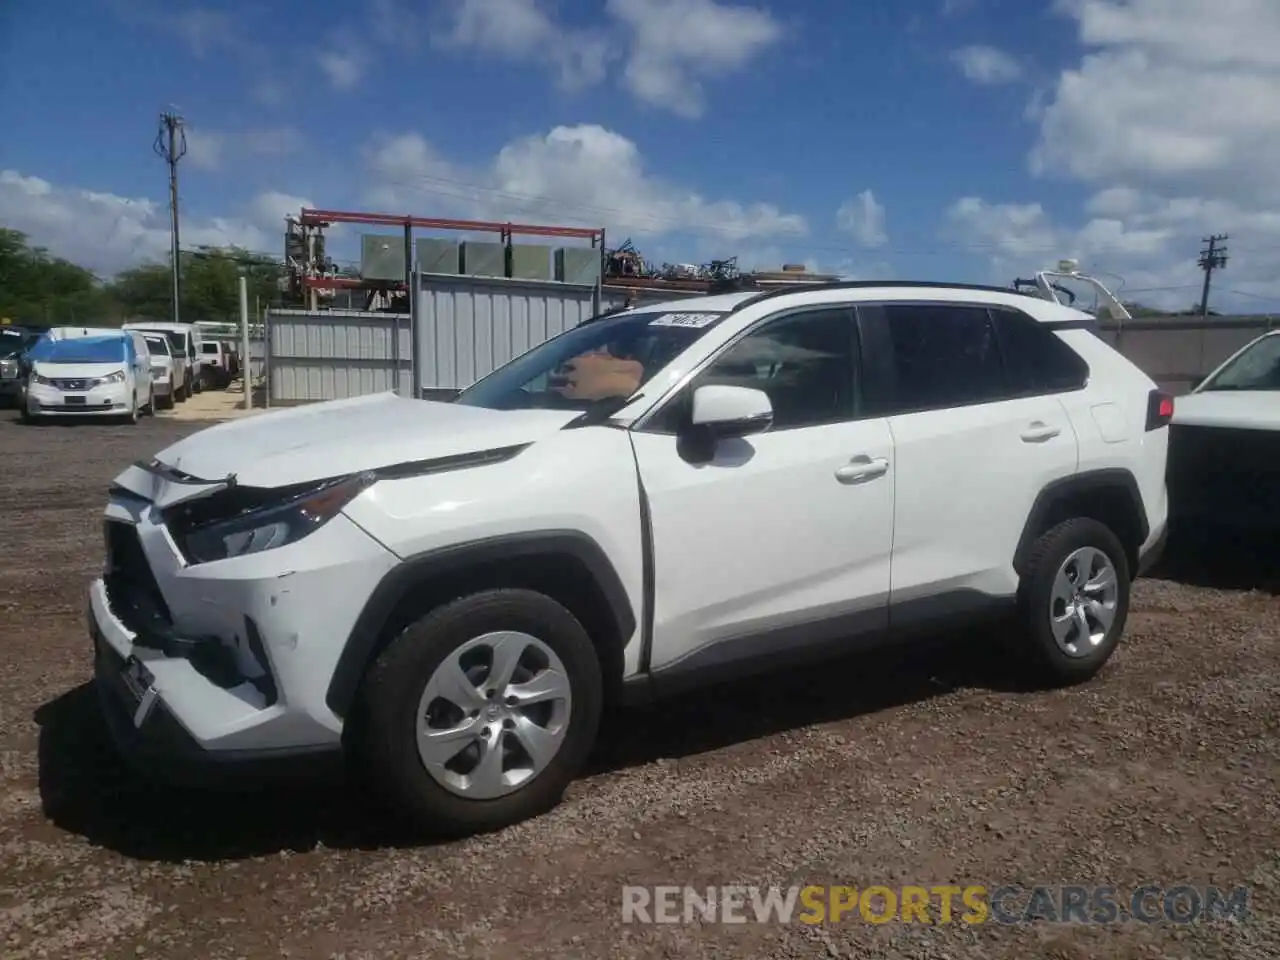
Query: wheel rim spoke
452,684
437,747
540,744
1063,625
507,651
547,685
1103,582
487,776
1063,588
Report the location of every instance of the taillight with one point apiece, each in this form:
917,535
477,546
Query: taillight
1159,409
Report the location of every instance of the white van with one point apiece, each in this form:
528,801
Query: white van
77,333
186,342
96,374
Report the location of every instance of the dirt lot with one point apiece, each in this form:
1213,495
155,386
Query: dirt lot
874,772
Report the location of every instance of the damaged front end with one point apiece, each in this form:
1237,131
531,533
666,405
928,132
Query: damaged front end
203,522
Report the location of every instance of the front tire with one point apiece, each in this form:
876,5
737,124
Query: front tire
1073,601
480,714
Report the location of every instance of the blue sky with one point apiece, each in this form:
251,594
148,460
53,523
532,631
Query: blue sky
957,139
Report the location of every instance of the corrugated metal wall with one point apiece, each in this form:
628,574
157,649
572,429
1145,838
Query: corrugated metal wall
332,355
469,326
1176,351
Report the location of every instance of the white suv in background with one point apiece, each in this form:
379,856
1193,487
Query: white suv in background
165,378
452,592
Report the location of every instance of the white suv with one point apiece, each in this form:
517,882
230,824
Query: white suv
452,592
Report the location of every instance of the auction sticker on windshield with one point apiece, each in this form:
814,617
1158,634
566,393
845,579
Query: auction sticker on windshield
694,320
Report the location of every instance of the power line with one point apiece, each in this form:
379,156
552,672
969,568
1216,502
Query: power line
1213,257
171,146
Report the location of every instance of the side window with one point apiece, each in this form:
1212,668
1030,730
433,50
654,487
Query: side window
944,355
1036,360
804,362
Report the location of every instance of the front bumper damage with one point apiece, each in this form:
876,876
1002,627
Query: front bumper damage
208,670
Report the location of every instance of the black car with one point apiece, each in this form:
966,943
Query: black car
14,341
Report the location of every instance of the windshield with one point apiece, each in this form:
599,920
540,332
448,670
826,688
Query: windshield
80,350
1257,368
177,340
158,345
13,341
594,367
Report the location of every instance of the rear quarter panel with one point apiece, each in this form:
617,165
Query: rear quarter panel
1109,417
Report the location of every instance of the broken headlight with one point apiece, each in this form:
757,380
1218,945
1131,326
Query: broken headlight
237,522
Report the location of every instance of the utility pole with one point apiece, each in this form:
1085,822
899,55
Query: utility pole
1213,257
171,146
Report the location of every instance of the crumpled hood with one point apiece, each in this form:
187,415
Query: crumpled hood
1240,409
338,437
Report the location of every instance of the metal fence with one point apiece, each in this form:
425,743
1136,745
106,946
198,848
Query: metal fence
466,327
333,355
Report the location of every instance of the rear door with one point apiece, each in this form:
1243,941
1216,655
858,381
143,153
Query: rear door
973,446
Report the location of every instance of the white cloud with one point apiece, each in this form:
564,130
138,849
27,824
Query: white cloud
668,47
1170,118
522,30
205,148
581,175
344,70
108,233
863,217
1176,94
674,43
1149,242
214,150
985,65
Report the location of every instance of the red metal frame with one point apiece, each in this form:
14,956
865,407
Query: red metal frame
349,283
315,218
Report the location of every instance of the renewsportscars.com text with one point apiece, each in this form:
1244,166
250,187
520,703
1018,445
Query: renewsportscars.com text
937,904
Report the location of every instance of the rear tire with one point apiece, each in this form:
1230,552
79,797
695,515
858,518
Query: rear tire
1073,602
434,676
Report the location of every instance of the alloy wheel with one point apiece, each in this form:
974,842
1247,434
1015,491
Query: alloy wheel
493,715
1083,601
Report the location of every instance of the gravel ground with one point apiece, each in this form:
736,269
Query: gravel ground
916,771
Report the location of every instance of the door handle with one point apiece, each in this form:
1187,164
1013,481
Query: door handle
862,468
1039,432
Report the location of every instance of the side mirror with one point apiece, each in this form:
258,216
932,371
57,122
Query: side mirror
726,412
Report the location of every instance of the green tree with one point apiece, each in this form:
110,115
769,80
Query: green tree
210,285
38,288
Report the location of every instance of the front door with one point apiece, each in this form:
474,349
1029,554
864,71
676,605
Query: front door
782,541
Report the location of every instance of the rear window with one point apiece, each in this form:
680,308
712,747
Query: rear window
209,347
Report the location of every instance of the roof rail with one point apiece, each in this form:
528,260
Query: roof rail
868,284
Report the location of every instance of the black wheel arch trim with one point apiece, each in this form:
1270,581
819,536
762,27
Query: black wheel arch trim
1110,478
363,640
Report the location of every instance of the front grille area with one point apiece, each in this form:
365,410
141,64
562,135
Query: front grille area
132,590
73,384
1217,468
